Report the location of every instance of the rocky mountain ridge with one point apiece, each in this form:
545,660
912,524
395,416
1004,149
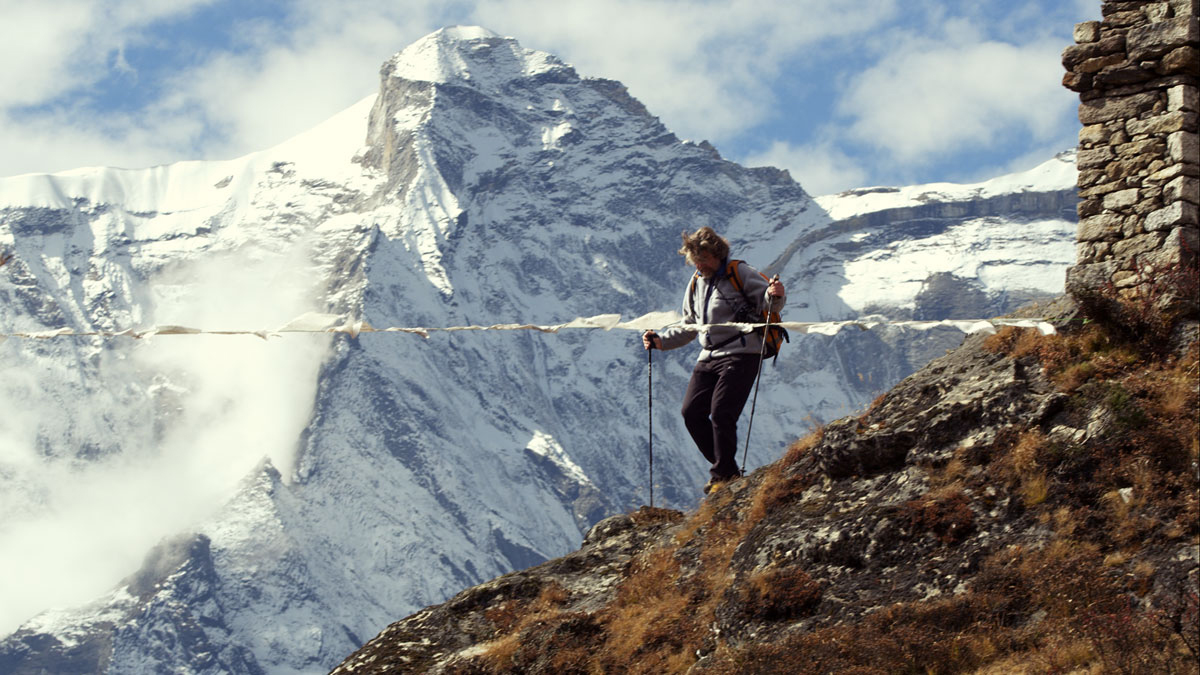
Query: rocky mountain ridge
987,514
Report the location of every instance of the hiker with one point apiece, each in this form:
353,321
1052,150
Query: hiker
730,358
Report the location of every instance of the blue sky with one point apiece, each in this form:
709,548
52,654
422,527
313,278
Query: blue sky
843,94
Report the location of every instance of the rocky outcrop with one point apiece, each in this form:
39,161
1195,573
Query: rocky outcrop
1137,72
972,473
437,636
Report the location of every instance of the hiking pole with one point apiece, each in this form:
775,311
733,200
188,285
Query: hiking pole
650,412
758,376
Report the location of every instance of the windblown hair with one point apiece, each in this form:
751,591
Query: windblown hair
704,239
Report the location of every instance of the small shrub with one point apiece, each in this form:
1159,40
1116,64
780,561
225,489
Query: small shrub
1025,453
505,616
1127,413
1034,489
1130,640
778,594
947,516
1181,615
801,448
1011,340
1148,313
559,644
1075,376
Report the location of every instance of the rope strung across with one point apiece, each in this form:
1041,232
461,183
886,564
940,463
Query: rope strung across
328,323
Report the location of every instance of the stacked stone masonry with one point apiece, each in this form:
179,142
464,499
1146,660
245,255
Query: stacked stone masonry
1136,71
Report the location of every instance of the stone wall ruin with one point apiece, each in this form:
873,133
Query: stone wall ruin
1136,71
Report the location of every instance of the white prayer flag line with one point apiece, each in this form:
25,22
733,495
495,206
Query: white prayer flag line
313,322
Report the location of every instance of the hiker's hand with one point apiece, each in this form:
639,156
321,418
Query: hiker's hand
775,288
650,340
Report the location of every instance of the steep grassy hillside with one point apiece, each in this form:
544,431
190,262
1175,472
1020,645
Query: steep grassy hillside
1026,503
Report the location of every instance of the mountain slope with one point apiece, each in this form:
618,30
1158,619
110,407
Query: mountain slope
1025,503
263,506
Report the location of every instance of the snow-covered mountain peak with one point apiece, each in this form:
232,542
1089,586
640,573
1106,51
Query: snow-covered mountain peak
469,55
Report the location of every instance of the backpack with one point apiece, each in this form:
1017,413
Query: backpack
776,335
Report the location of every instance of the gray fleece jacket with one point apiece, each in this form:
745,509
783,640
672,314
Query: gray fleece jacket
717,300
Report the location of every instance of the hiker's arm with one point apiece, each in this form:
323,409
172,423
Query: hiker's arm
673,337
777,294
757,289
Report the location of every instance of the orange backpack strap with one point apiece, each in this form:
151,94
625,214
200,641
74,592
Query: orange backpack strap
691,292
732,273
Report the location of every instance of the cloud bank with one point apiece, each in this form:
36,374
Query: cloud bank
865,90
103,457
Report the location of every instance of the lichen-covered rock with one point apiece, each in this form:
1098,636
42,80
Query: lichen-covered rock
435,638
968,392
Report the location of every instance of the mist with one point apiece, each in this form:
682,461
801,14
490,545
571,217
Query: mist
109,445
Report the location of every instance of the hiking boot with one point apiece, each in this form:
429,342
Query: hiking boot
715,484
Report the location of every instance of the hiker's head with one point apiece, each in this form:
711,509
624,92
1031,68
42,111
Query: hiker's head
705,249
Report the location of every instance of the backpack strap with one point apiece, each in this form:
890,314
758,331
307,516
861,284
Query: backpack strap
691,292
732,273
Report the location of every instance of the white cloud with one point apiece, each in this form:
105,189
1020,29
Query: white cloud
820,168
945,76
929,99
329,61
73,529
40,37
53,54
707,68
59,141
281,79
52,48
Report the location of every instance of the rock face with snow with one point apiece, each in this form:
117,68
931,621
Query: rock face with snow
253,506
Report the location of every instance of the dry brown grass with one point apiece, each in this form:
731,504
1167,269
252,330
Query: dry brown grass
1014,341
1056,655
514,617
647,625
947,635
1024,455
945,513
800,448
659,618
703,517
1069,359
779,593
1035,488
875,405
1060,605
782,482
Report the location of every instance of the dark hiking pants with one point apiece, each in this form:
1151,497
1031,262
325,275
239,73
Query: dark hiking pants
711,407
